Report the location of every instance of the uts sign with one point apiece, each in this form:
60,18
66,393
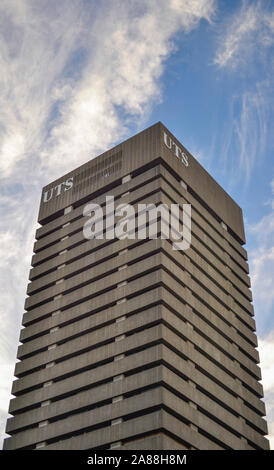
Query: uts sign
57,190
66,185
176,149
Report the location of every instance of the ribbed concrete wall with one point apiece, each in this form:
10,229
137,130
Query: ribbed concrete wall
129,344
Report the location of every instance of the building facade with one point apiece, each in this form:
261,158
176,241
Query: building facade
129,343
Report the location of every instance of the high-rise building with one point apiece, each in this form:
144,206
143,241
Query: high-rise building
130,343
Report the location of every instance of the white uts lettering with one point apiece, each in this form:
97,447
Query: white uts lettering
176,149
66,185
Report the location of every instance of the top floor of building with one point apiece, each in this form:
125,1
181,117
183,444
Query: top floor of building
146,149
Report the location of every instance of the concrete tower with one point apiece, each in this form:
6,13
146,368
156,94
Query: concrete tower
130,344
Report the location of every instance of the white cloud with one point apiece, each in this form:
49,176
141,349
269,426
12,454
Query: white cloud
244,40
73,80
262,262
246,131
266,351
60,104
36,43
6,374
251,126
124,74
249,30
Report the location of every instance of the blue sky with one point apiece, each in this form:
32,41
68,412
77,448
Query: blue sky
79,76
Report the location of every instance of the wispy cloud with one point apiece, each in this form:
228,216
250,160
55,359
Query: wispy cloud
247,33
266,351
67,73
261,265
261,262
37,40
245,57
246,132
250,127
73,81
123,74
